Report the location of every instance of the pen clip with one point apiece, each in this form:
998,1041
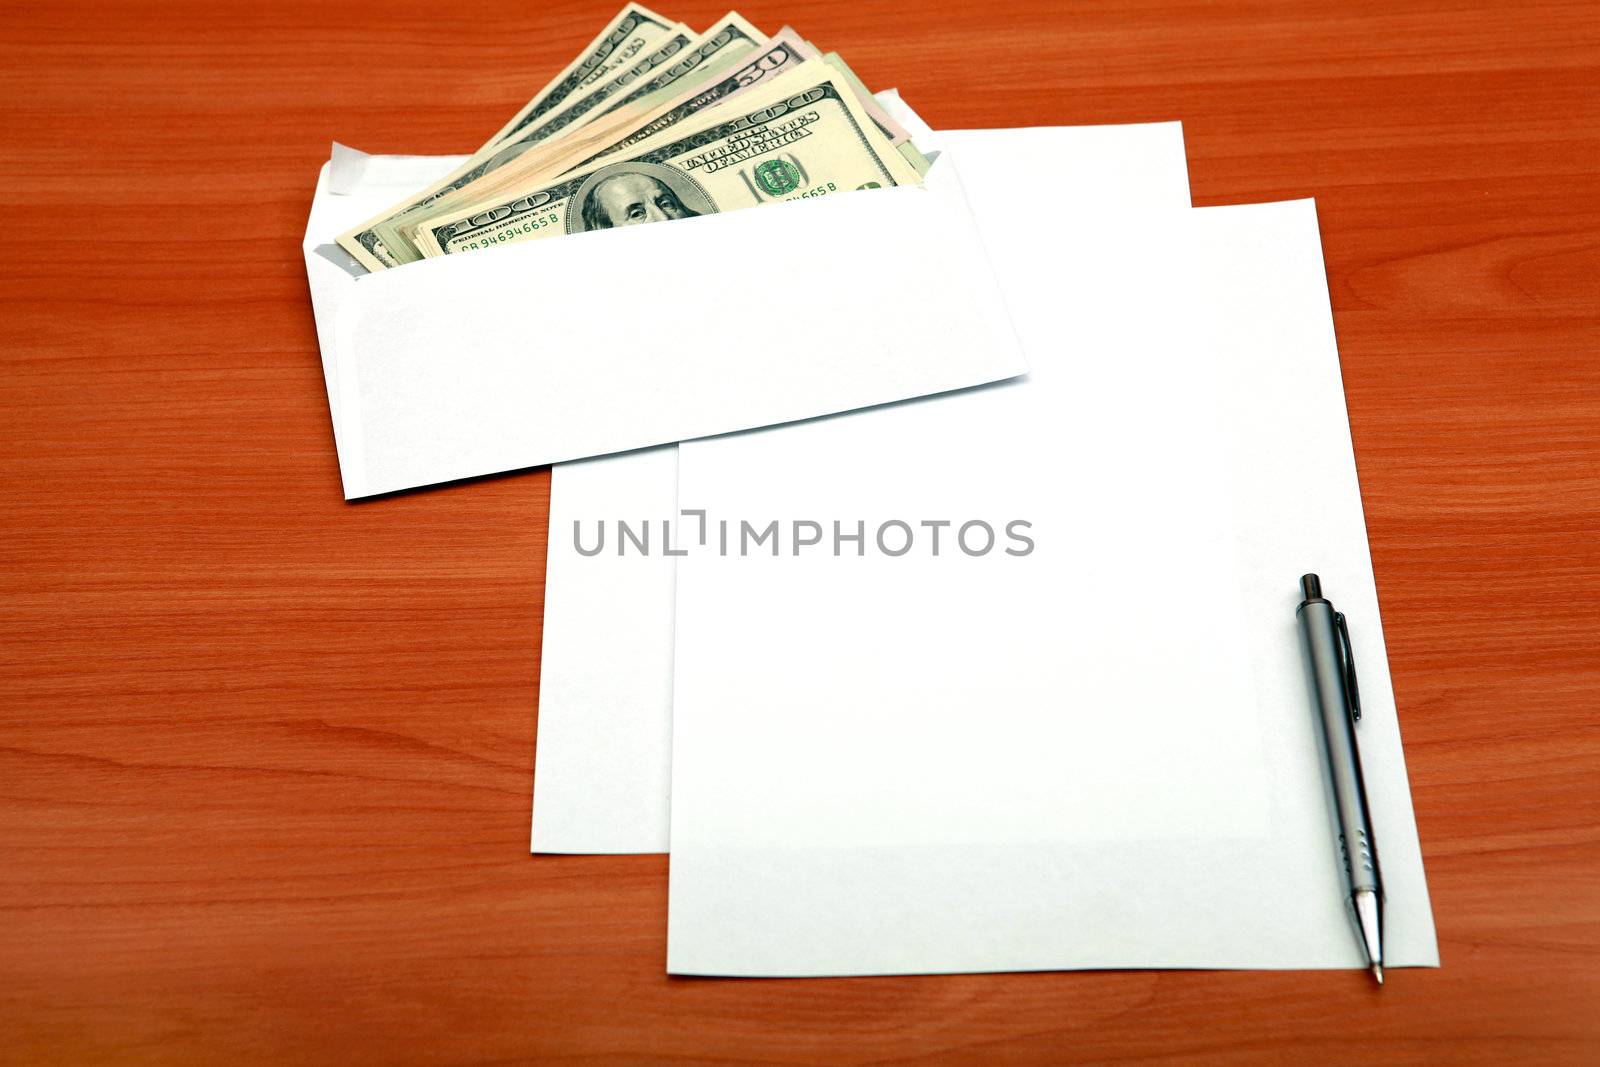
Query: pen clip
1347,655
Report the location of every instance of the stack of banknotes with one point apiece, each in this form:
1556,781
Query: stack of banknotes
654,122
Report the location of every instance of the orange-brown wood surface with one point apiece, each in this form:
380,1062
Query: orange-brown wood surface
265,757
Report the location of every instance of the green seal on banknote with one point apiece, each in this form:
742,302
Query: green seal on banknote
778,176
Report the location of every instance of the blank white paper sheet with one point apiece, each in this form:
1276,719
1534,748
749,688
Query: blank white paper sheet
1094,750
603,763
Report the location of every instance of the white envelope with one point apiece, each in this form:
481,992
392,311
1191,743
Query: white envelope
352,188
555,350
602,774
1097,753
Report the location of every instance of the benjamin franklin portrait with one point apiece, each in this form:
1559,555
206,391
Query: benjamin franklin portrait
629,194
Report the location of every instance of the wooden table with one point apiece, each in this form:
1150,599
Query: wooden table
266,757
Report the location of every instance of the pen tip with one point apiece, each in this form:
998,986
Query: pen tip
1377,972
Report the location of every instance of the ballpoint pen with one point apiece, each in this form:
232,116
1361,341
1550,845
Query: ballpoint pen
1337,704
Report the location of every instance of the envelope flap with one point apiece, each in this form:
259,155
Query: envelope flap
602,342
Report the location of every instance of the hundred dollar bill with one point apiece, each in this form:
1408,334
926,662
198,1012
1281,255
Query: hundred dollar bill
643,85
782,53
891,129
678,57
805,136
622,39
627,33
376,244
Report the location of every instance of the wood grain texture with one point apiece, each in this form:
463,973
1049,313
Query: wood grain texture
265,758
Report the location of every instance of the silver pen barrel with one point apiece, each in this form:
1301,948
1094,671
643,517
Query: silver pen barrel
1337,706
